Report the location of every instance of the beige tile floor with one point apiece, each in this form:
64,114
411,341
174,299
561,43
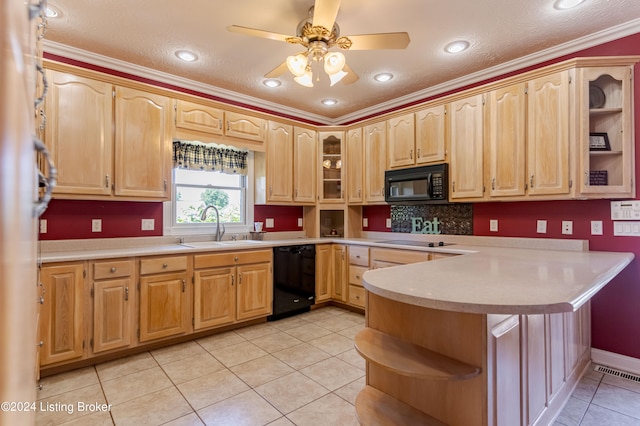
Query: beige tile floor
301,370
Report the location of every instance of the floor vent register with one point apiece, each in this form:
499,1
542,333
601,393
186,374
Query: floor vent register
618,373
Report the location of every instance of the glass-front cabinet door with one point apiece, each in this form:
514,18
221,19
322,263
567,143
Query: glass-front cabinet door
606,132
331,167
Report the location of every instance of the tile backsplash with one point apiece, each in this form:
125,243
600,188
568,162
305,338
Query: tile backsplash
453,219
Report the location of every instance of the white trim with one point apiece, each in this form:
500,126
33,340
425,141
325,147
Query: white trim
611,359
582,43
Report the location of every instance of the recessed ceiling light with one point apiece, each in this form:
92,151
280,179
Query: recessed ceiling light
456,46
566,4
271,82
51,12
329,102
385,76
186,56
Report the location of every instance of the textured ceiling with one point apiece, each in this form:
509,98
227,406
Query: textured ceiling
147,33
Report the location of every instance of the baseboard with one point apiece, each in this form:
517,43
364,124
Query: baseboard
620,362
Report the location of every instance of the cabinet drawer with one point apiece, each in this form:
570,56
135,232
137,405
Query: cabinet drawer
355,274
201,261
399,257
163,264
112,269
359,255
356,296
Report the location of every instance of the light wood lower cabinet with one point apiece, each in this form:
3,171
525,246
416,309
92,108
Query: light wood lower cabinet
358,264
230,287
324,272
164,307
62,313
113,304
339,288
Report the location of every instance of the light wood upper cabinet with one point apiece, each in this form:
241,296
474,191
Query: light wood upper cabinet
375,162
245,126
304,165
62,313
467,142
143,144
331,170
113,304
355,166
430,126
79,133
279,159
506,137
548,134
401,141
198,117
605,106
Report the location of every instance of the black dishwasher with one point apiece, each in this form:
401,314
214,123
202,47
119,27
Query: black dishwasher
294,280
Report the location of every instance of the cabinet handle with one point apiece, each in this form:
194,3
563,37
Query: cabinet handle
184,286
233,279
493,184
411,154
357,256
239,278
531,182
219,123
113,269
227,125
165,184
164,266
418,153
453,186
359,191
126,293
106,181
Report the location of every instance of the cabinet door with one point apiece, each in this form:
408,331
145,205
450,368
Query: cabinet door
79,133
324,272
279,162
548,134
430,134
143,144
214,297
245,127
401,143
112,314
355,166
201,118
255,291
61,315
331,170
304,165
467,174
503,363
375,162
506,133
163,306
339,289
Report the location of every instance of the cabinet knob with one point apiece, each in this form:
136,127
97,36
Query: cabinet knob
235,258
358,276
40,344
165,266
41,300
113,269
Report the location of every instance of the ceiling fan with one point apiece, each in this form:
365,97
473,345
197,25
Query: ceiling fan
318,33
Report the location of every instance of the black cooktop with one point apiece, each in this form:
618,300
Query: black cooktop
416,243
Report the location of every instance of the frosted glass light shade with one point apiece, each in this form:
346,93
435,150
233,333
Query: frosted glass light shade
305,79
297,64
334,62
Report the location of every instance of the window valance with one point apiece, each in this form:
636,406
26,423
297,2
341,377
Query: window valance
210,157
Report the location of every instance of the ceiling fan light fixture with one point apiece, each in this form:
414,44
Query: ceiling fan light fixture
305,79
457,46
335,78
334,62
297,64
382,77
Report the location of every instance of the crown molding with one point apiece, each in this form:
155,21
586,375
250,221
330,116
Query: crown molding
600,37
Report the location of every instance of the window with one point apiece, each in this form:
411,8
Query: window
196,189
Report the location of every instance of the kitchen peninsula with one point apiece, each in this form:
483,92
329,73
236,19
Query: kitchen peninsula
498,336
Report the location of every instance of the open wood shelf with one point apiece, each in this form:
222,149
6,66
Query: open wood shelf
410,360
377,408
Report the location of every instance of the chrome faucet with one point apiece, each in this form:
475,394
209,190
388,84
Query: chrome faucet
203,216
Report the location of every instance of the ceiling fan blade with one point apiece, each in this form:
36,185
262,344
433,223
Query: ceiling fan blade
379,41
325,12
277,71
258,33
351,76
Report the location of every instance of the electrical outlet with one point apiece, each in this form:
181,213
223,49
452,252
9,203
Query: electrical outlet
148,224
541,227
365,222
96,225
388,222
299,222
268,222
493,225
596,227
43,226
567,227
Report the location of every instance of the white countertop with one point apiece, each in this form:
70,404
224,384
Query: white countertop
491,275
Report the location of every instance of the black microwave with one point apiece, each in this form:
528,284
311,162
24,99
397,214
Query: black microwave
417,185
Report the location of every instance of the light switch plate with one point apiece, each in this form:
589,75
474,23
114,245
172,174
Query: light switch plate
365,222
388,222
300,222
96,225
268,222
43,226
626,229
596,227
493,225
148,224
541,227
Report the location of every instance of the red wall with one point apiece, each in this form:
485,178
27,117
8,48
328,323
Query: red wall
377,217
285,218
